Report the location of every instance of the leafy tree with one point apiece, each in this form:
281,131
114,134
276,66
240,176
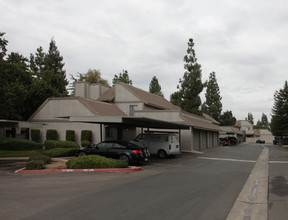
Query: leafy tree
176,98
212,106
250,118
263,124
92,76
15,83
154,87
227,119
191,85
123,77
279,121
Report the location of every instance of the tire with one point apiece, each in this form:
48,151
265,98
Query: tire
82,154
162,154
124,157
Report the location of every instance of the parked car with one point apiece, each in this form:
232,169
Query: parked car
233,140
118,150
162,144
259,141
224,141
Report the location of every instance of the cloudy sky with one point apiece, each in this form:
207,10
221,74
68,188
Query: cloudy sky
244,41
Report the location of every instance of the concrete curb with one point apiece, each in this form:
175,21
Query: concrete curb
252,202
130,169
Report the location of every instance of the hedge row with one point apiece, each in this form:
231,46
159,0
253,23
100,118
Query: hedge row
61,152
50,144
94,162
18,144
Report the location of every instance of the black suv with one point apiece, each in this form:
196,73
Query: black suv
118,150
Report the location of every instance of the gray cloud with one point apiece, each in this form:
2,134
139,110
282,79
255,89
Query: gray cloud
244,42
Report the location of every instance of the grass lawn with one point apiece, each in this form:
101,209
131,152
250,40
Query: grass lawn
19,153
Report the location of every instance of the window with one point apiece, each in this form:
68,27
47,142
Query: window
132,108
108,132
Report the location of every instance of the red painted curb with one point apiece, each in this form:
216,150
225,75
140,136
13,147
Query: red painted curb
82,170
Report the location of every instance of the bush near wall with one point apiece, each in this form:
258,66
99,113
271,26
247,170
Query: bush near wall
94,162
18,144
35,135
52,134
50,144
86,135
70,135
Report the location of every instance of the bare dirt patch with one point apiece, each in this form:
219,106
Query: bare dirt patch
54,165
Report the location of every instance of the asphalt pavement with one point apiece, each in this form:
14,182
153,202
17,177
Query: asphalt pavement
188,187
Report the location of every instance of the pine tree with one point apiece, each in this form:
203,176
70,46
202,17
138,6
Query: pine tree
154,87
279,121
250,118
53,72
212,106
263,123
191,85
123,77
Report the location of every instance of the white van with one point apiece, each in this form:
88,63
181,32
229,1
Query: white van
162,144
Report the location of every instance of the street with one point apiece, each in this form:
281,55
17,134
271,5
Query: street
188,187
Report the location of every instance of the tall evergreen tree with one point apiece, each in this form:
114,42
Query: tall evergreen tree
250,118
37,62
279,121
263,123
53,72
191,85
122,77
212,106
154,87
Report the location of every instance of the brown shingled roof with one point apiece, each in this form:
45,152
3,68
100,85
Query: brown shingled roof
210,118
150,99
200,123
101,108
107,96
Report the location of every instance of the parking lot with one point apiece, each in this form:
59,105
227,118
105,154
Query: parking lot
190,186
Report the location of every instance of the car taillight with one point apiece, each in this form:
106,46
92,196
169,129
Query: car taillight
137,151
169,146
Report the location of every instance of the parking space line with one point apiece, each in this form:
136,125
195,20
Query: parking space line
227,159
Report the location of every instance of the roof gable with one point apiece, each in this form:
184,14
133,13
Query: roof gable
149,98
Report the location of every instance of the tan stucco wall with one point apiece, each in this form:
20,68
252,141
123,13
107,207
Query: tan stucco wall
78,127
123,95
62,108
125,107
160,115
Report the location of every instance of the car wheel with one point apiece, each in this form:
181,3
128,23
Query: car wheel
124,157
82,154
162,154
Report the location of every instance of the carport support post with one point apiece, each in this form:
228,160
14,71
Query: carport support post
101,133
180,140
191,138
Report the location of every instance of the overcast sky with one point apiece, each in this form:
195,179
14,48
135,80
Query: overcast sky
244,41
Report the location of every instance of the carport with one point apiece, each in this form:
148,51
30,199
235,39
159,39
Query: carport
136,122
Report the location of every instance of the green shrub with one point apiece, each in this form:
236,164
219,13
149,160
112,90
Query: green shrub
49,144
70,135
18,144
35,165
86,135
51,134
94,162
86,143
41,157
35,135
61,152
